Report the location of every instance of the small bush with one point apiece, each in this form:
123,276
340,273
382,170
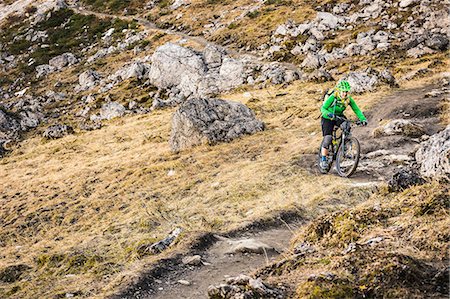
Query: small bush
253,14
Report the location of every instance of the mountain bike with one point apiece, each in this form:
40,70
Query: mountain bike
344,149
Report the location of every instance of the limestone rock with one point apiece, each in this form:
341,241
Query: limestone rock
134,70
211,121
437,42
404,179
248,246
433,155
244,286
406,3
63,60
399,127
231,74
43,70
176,66
111,110
58,131
88,80
9,126
30,119
362,81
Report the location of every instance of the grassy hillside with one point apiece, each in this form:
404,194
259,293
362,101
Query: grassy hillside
76,211
393,245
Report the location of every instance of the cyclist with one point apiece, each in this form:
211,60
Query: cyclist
335,105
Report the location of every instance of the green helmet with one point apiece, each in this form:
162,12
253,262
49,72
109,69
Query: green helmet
343,86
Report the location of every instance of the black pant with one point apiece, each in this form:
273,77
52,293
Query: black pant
328,125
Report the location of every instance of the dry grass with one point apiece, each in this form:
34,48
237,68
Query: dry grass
414,231
96,196
77,209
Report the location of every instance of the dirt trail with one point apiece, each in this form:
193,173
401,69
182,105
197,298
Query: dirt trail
220,265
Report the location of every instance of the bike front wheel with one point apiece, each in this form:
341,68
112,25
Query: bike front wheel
348,157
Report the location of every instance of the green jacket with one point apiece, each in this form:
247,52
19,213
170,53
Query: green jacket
335,105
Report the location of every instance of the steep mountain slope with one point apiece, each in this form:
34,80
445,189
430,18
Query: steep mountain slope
79,214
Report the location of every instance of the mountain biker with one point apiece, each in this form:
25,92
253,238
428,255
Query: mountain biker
335,105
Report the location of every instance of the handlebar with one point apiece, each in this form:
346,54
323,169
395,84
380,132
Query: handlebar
356,122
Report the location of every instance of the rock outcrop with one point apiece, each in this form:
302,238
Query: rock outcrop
399,127
9,126
58,131
88,80
211,121
434,156
404,179
244,286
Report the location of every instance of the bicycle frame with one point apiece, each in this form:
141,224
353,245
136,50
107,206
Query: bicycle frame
337,141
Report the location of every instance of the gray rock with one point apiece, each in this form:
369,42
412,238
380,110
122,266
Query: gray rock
192,260
88,80
159,246
43,70
387,77
248,246
406,3
111,110
213,56
9,125
177,4
399,127
244,286
320,76
137,70
231,74
211,121
313,61
63,60
328,20
419,51
176,66
433,155
361,81
404,179
30,120
57,131
353,49
437,42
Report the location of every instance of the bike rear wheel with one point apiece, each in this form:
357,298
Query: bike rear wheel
348,157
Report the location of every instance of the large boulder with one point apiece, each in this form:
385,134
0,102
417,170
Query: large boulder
434,155
437,42
111,110
367,80
211,121
133,70
88,80
176,66
63,60
231,74
9,125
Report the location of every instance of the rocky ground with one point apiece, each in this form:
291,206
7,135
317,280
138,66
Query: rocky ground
200,118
